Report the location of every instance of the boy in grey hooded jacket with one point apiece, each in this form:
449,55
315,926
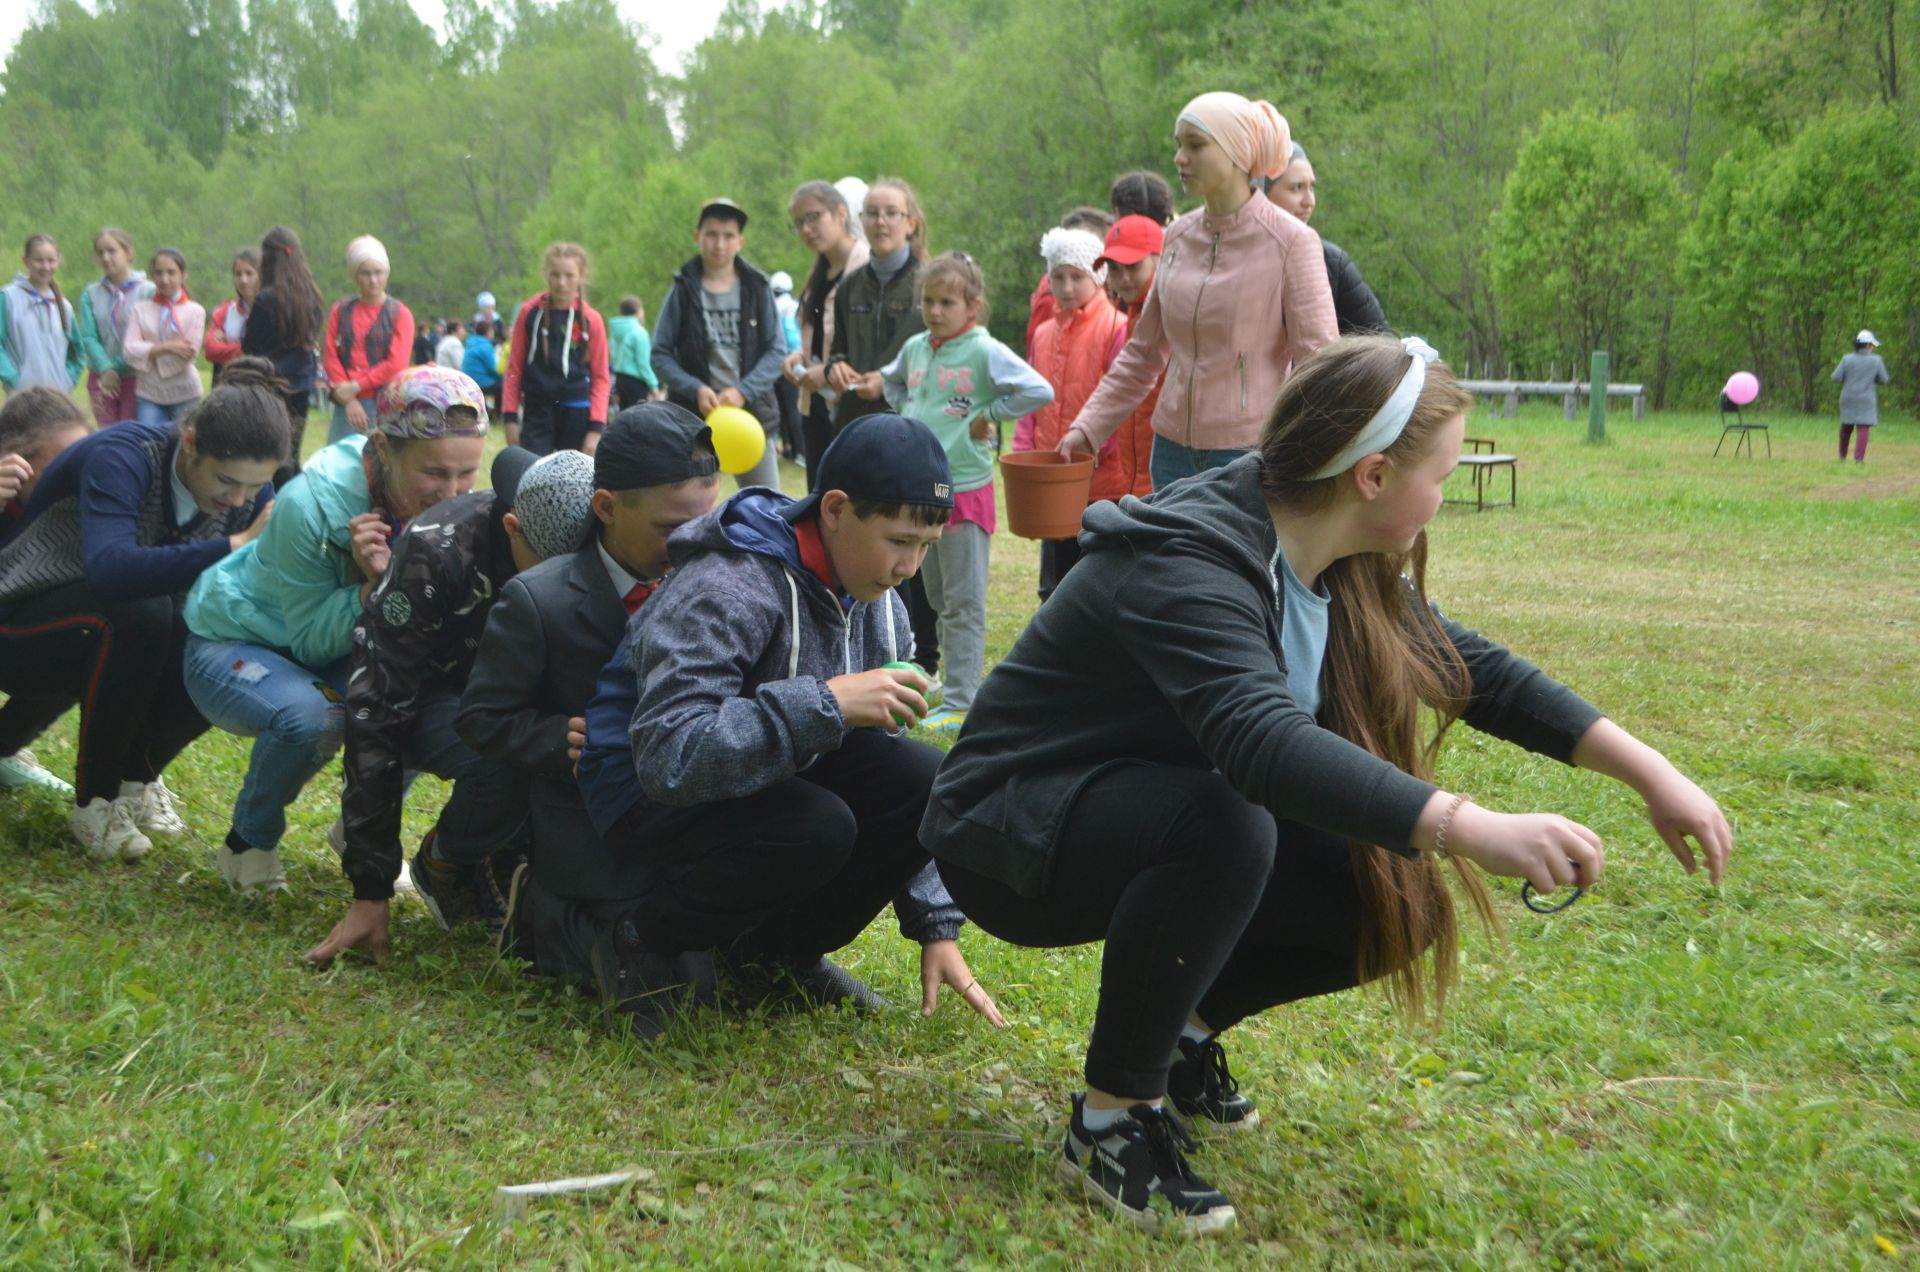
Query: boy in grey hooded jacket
747,739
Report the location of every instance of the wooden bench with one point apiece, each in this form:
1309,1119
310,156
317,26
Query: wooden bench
1568,391
1484,462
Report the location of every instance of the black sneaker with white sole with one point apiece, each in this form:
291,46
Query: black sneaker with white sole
1138,1168
1202,1087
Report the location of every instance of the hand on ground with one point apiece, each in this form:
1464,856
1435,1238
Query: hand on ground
941,963
365,924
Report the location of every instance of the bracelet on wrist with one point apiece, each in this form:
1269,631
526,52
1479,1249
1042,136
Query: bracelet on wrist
1446,824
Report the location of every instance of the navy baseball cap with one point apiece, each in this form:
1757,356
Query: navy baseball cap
653,444
886,459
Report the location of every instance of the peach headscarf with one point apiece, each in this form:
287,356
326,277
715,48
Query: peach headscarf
1254,134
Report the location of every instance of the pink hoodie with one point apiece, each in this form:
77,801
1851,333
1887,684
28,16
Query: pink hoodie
1237,301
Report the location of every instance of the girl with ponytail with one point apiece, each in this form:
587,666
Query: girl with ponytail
1242,689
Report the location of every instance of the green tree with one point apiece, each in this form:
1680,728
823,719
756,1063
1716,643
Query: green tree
1801,245
1583,239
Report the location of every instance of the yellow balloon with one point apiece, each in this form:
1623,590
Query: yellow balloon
738,438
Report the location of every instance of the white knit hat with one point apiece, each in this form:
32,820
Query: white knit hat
1078,248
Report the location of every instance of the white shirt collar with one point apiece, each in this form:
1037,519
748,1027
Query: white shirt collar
623,582
185,506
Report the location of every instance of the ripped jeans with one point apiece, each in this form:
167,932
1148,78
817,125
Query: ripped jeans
296,717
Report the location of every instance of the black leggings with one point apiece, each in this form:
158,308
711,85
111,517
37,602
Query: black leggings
1201,913
121,661
816,434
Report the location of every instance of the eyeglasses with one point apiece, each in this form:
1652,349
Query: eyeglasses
801,224
889,215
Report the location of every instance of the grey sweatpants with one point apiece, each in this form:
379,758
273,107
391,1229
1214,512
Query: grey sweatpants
955,574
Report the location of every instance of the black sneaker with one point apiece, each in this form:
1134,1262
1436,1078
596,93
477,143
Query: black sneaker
1202,1087
762,979
642,992
455,894
1137,1159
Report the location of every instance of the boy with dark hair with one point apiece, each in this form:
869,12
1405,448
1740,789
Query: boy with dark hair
413,648
745,752
547,637
717,339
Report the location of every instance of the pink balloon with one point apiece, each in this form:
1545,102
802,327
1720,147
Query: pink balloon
1742,387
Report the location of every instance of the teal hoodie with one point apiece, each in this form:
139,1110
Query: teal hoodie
98,332
949,386
296,587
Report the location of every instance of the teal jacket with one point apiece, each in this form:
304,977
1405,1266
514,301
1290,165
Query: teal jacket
94,327
295,588
630,349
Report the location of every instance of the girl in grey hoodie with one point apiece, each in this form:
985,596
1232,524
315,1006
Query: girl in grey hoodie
37,344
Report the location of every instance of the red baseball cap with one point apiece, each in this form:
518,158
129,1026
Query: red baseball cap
1131,240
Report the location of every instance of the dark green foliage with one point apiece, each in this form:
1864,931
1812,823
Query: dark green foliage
204,121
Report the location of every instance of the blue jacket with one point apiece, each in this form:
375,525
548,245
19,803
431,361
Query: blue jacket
295,588
480,362
715,692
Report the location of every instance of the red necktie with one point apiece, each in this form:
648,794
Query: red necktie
637,596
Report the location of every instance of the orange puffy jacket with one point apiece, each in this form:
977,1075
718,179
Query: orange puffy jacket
1073,352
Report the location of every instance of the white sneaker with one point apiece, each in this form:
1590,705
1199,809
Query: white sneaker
153,809
21,769
254,871
105,828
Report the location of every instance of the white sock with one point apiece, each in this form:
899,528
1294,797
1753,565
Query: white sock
1103,1119
1194,1033
132,790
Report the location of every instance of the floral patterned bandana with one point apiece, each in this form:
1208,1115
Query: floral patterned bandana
414,404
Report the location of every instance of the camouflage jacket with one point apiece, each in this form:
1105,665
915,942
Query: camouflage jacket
418,632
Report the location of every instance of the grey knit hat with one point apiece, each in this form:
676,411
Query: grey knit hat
555,503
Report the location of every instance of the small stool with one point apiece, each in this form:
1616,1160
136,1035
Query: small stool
1482,464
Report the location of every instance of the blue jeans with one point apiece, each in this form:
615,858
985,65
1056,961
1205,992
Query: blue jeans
154,413
296,717
1171,461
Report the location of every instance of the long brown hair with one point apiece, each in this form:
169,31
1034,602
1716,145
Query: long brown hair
1388,660
283,267
830,201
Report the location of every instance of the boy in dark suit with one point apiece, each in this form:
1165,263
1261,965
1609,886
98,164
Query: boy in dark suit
548,636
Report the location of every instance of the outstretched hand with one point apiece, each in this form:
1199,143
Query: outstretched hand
941,963
1679,811
365,924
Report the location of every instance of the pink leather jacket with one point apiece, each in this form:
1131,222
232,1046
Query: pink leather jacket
1237,301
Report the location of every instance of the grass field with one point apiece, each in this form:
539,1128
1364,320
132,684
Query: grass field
1663,1076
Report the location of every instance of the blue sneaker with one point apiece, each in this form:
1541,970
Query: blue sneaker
944,720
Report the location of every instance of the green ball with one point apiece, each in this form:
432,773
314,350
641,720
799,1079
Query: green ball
897,665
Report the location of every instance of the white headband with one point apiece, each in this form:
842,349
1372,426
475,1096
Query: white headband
1384,429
